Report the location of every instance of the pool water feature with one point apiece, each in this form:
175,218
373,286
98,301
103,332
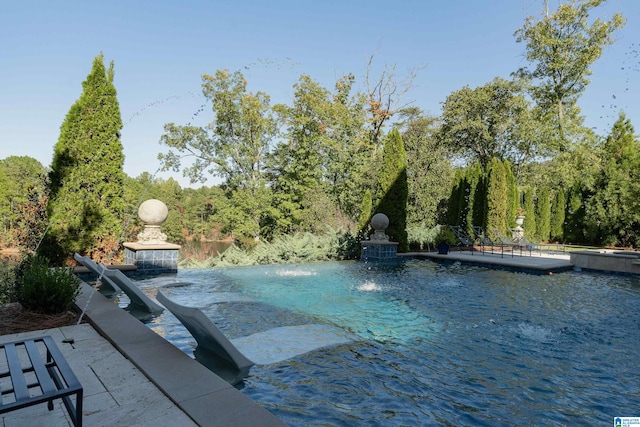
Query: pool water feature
433,344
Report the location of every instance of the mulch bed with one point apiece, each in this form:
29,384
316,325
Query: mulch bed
15,319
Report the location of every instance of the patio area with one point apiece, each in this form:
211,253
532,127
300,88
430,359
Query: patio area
115,391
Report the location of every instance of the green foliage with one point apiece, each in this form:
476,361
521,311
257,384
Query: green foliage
7,280
43,289
497,196
234,147
296,248
421,236
530,227
429,169
445,235
558,208
456,197
543,215
86,203
561,48
365,212
613,213
477,202
513,202
23,184
575,216
392,190
489,121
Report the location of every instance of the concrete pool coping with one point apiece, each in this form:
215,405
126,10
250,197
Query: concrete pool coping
206,398
531,263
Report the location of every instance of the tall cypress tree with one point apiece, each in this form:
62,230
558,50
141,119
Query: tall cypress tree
365,212
476,200
530,215
575,216
453,211
557,216
86,203
512,194
543,213
497,196
393,190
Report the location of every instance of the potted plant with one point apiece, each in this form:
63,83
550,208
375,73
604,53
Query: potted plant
444,240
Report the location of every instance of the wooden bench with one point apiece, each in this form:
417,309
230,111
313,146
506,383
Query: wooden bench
35,380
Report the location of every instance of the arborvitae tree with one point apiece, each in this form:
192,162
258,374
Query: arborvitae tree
530,215
479,202
575,216
453,211
543,213
557,216
365,211
86,203
512,193
463,200
476,197
392,190
497,196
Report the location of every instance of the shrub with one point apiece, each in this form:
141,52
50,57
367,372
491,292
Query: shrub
445,235
43,289
299,247
421,236
7,280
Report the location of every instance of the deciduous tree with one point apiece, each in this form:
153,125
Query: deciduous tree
234,146
489,121
561,48
613,212
429,168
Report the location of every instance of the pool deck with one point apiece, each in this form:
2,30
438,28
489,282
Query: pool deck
531,262
132,376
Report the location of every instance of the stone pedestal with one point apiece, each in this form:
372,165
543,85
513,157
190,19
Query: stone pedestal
377,250
152,258
378,247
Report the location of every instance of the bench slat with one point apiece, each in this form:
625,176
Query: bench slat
20,389
54,377
44,379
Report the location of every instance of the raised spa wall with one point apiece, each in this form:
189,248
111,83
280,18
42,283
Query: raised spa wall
627,262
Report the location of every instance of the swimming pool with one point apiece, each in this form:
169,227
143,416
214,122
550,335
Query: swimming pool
431,344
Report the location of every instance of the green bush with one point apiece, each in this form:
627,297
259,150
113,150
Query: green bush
43,289
296,248
420,236
7,280
445,235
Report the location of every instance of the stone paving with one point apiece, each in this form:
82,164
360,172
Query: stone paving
116,393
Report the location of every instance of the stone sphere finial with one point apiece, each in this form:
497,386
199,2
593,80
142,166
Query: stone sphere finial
153,213
379,222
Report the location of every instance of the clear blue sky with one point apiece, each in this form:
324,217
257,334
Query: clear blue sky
161,48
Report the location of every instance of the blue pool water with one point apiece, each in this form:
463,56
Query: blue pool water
431,344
